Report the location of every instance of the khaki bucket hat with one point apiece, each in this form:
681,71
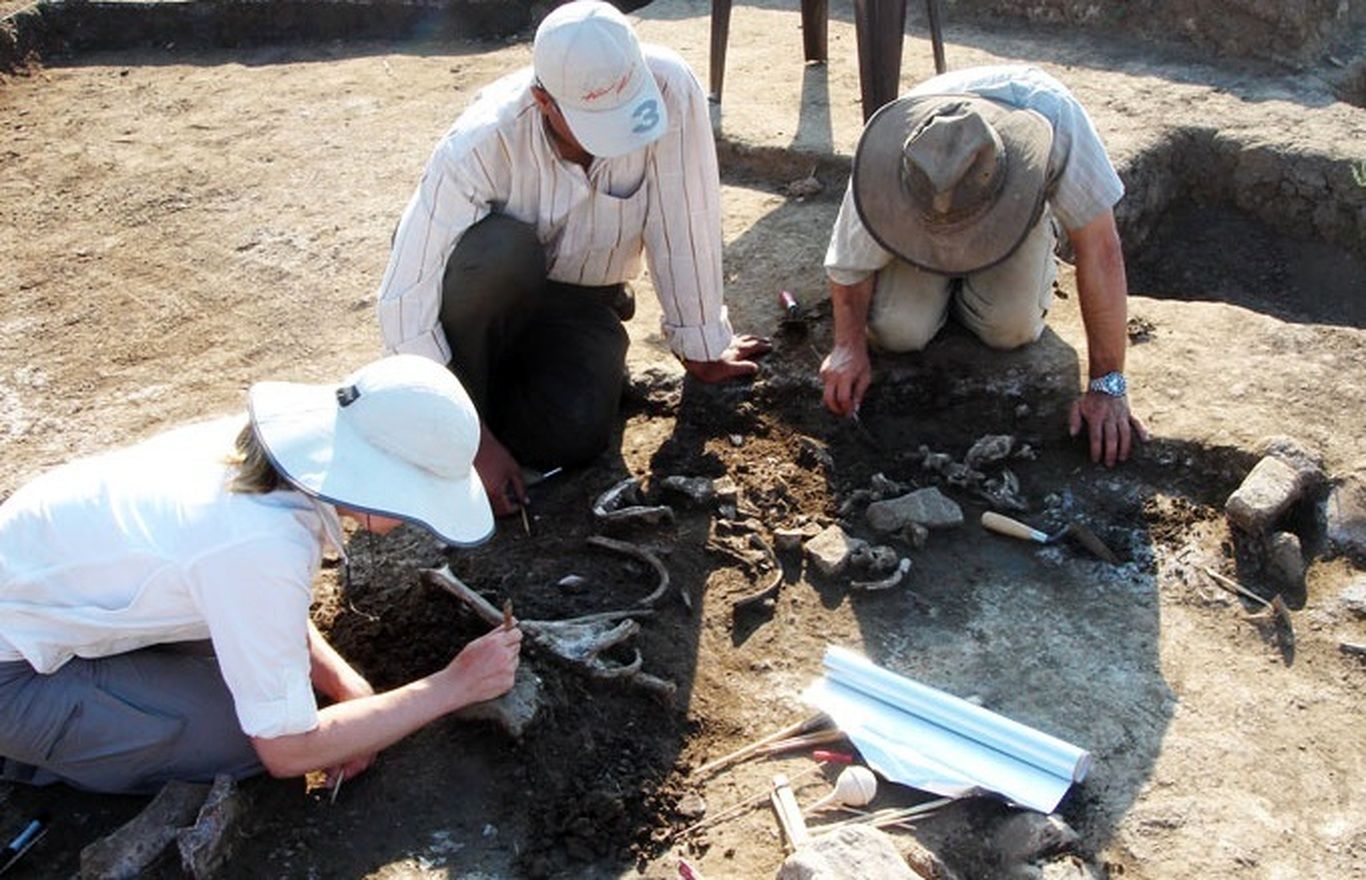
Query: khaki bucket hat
951,183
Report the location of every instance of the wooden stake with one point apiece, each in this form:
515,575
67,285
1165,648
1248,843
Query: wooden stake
789,814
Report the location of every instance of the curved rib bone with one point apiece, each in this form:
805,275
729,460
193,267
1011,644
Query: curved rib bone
644,556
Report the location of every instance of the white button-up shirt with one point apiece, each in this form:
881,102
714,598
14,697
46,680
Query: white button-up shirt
664,200
145,545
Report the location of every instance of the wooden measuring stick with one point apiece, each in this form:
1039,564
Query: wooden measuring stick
815,721
819,738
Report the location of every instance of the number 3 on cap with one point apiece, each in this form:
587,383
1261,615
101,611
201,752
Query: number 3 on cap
647,115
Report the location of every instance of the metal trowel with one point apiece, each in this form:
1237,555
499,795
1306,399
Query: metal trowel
793,322
1013,528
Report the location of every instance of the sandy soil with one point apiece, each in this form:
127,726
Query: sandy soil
178,225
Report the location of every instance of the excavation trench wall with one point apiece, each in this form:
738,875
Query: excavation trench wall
1304,195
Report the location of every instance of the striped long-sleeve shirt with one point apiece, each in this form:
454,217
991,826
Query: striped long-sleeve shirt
664,200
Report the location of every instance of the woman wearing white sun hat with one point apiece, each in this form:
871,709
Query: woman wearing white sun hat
154,600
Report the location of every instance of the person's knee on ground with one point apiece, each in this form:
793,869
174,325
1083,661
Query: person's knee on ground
557,406
909,308
493,282
1006,304
558,430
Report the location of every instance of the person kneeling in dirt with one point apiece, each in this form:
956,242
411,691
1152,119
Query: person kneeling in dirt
154,600
511,258
951,204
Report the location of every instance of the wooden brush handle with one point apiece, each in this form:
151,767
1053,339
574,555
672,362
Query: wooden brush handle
1004,525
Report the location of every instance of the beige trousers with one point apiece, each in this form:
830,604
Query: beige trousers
1004,305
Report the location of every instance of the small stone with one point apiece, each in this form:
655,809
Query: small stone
692,806
513,711
923,861
572,582
882,487
815,452
1029,836
737,440
853,853
1266,493
916,535
727,492
1285,560
698,490
1353,597
830,550
1345,516
928,507
791,539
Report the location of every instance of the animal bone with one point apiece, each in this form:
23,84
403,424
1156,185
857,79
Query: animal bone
886,583
624,503
644,556
1004,492
576,641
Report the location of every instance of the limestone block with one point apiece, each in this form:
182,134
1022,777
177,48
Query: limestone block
1266,493
830,550
853,853
928,507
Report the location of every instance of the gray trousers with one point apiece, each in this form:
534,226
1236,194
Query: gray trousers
542,360
127,724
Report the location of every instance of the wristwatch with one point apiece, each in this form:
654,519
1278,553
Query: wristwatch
1111,383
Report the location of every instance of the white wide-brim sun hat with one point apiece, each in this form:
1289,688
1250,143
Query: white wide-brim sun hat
396,438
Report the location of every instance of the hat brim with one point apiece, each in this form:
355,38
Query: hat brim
298,427
905,228
635,124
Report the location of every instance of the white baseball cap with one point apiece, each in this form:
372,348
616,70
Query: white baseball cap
396,438
587,57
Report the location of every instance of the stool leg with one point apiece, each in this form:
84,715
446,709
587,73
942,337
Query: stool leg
720,33
936,36
815,18
880,26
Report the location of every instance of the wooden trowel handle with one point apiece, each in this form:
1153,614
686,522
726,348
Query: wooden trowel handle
1004,525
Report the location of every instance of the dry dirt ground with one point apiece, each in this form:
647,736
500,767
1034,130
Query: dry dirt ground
180,224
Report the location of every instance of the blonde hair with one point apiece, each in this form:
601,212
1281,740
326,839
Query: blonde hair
256,474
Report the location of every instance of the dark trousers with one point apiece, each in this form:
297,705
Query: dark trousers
543,361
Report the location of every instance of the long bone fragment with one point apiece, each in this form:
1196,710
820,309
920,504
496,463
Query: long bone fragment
577,641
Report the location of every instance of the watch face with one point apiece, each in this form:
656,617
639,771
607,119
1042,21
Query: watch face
1111,383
